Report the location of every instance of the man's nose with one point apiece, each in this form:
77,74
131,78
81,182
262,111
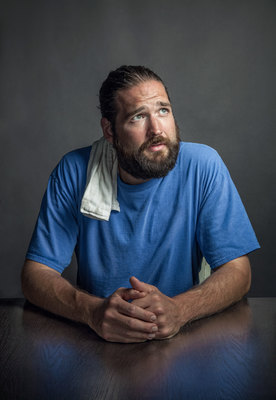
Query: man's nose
154,126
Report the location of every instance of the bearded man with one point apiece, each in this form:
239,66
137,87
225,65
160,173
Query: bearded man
174,203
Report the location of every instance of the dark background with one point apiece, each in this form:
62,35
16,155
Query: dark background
217,58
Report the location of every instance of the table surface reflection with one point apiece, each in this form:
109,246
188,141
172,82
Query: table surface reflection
230,355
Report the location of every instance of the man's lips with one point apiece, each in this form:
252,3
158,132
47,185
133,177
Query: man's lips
156,146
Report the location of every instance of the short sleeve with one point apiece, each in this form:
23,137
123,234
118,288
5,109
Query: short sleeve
56,230
224,231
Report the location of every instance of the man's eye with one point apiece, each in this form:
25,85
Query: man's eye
164,111
137,117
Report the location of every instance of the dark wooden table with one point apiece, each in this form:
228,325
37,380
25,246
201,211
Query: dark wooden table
227,356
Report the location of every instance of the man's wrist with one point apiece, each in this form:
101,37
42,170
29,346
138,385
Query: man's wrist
86,305
187,304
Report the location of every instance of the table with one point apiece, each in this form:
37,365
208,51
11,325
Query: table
230,355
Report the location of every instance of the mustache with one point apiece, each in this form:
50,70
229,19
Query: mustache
154,141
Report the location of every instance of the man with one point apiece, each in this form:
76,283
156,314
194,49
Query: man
177,203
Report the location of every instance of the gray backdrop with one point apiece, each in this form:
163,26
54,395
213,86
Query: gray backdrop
216,57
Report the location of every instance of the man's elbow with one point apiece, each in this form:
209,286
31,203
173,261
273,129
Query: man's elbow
239,273
34,276
242,265
248,277
26,279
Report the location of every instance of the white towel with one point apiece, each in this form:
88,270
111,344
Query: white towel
100,195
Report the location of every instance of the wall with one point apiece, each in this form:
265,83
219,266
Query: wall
216,57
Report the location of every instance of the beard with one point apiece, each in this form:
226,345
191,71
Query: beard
157,164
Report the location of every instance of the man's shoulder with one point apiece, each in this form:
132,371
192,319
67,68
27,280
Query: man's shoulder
73,164
197,153
77,156
199,159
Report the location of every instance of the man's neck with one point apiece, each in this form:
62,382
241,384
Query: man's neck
129,179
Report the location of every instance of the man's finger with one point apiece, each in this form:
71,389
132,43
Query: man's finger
133,327
131,294
144,302
130,336
128,330
140,286
133,311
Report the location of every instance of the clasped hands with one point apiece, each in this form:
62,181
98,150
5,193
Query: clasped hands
137,314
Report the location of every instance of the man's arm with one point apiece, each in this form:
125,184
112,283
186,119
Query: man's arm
114,318
227,285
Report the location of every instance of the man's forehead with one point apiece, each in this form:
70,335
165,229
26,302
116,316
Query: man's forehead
148,91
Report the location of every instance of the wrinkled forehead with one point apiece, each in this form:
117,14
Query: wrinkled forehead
144,93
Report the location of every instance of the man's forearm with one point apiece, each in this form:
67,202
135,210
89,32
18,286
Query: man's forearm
112,318
47,289
227,285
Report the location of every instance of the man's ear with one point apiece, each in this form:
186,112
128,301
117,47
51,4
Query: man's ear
107,130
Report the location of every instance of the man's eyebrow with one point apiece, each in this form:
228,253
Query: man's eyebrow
137,110
164,104
142,108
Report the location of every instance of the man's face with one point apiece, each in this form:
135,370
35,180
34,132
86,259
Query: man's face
146,136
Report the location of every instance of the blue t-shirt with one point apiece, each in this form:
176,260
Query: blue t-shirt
164,227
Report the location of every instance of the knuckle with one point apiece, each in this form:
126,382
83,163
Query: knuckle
159,310
131,309
131,323
165,331
113,301
107,314
155,297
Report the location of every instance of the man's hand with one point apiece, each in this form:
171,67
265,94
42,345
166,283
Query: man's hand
227,285
114,318
150,314
164,307
117,320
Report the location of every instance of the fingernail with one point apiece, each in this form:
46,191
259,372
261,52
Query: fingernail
154,329
151,337
153,318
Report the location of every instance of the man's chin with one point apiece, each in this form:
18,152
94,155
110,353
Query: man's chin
149,162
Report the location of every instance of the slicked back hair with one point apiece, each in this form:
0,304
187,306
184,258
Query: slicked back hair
123,77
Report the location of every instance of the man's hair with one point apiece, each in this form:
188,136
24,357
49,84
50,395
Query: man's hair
123,77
